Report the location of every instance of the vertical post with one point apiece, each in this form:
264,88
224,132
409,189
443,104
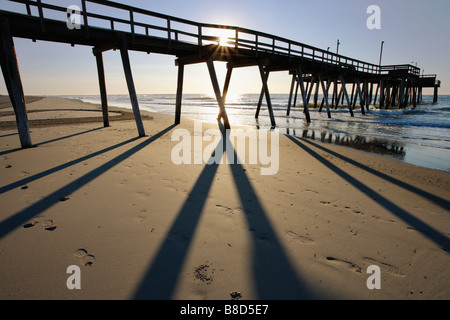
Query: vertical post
376,94
334,94
346,95
290,94
264,77
85,18
316,94
200,40
388,94
340,95
366,92
227,83
102,85
11,74
381,102
130,84
313,80
179,93
414,96
41,15
435,94
353,93
261,97
215,84
225,87
294,103
303,92
325,94
361,99
401,100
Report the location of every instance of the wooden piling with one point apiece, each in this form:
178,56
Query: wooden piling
264,77
344,89
130,84
219,97
261,96
381,101
225,88
316,94
303,92
435,94
361,99
325,94
291,92
11,74
179,96
102,86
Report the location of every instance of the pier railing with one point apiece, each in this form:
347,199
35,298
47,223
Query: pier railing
138,21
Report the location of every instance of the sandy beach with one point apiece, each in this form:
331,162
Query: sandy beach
141,227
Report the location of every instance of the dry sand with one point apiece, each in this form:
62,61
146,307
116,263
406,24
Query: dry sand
139,226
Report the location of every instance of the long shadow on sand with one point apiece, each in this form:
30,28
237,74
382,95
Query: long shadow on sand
21,217
274,275
444,203
434,235
162,276
46,142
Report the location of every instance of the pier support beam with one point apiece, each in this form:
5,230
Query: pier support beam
291,92
344,89
11,74
316,94
219,97
381,101
264,77
414,95
325,94
303,92
401,98
435,94
102,85
179,93
361,98
130,84
225,88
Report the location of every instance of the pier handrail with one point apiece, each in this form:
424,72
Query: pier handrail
241,38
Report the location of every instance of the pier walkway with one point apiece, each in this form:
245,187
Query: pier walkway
192,42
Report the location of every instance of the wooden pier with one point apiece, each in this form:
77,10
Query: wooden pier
192,42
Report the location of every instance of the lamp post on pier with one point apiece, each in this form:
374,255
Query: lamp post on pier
381,52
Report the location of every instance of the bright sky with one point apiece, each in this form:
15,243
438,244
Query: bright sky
412,31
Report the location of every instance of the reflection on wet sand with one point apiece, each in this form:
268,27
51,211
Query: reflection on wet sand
369,144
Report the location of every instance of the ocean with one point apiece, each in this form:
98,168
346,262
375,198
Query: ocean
419,136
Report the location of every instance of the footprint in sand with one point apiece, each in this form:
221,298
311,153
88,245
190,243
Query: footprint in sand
386,267
225,208
86,259
302,239
204,273
47,224
343,263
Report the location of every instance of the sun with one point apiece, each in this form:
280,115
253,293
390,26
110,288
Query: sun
224,41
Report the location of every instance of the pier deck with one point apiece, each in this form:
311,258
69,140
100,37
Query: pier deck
192,42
